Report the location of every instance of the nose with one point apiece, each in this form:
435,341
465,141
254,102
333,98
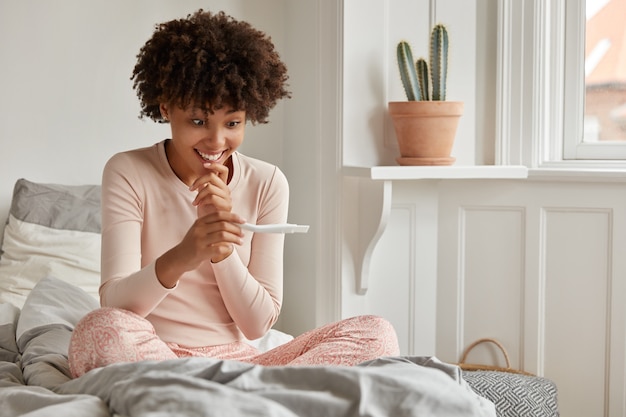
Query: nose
215,136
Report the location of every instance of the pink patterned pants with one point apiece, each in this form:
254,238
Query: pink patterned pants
110,335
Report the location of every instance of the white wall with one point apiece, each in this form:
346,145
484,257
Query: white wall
67,99
535,263
403,276
372,29
68,105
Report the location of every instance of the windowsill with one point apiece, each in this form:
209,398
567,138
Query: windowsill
375,193
396,172
580,174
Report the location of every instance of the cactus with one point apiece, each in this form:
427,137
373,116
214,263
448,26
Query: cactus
407,72
422,77
415,77
439,61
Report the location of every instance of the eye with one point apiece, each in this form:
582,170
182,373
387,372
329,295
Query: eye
197,122
233,123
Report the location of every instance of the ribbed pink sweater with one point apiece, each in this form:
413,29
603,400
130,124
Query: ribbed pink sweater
146,210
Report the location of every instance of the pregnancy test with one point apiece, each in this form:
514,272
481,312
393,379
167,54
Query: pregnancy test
275,228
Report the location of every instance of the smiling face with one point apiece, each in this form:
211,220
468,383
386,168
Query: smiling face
200,137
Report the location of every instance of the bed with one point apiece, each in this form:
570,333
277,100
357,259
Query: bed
49,275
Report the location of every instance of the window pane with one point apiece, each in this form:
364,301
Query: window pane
605,71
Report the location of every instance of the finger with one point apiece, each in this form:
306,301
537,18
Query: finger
219,169
221,236
205,180
213,195
229,235
221,252
223,216
209,183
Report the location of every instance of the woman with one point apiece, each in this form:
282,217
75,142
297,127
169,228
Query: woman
179,275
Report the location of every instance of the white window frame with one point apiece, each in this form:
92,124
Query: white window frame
540,88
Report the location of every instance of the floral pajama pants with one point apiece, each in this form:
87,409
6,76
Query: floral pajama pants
110,335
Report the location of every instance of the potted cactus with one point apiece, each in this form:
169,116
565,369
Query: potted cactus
426,123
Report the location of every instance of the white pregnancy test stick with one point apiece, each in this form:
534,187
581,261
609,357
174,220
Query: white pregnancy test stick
275,228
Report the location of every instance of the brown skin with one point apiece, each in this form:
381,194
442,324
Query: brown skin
200,154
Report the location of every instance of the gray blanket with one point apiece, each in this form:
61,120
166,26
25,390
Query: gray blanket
207,387
35,381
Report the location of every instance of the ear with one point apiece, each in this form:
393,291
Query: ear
165,114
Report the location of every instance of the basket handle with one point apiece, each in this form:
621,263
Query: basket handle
486,340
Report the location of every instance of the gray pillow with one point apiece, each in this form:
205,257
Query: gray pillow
52,230
68,207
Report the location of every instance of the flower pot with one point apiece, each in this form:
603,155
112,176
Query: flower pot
425,130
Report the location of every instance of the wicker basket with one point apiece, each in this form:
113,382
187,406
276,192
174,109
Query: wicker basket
477,367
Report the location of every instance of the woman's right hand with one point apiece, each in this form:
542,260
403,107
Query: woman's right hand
211,237
213,192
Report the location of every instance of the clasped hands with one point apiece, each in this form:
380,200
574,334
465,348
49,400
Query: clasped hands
216,230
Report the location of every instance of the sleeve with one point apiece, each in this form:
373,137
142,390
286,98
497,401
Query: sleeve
124,283
253,294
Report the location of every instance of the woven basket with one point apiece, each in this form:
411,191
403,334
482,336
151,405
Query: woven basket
479,367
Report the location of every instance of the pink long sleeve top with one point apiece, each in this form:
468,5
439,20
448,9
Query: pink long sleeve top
146,210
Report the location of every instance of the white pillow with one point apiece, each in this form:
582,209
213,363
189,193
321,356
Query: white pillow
53,302
52,230
44,329
270,340
9,315
32,251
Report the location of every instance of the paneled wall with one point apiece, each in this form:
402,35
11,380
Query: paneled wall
539,266
401,283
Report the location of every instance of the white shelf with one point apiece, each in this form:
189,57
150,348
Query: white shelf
396,172
375,194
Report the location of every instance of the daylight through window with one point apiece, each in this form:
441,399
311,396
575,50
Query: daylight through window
605,71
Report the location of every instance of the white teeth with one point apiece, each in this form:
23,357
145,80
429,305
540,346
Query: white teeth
210,158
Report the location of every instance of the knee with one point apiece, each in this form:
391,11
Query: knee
109,317
381,333
102,337
380,324
103,320
371,324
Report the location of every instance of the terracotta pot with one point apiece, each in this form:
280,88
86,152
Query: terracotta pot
425,130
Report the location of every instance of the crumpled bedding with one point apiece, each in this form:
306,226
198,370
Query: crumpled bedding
35,380
399,386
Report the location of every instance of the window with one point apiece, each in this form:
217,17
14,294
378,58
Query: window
561,100
605,71
598,55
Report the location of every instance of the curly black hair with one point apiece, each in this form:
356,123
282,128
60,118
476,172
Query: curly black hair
209,61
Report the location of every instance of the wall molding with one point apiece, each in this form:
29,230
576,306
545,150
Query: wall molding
330,73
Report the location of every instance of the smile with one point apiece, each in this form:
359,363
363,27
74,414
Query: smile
210,157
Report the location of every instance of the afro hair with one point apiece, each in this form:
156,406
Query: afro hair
209,61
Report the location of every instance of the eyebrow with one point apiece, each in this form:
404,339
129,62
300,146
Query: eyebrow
196,110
